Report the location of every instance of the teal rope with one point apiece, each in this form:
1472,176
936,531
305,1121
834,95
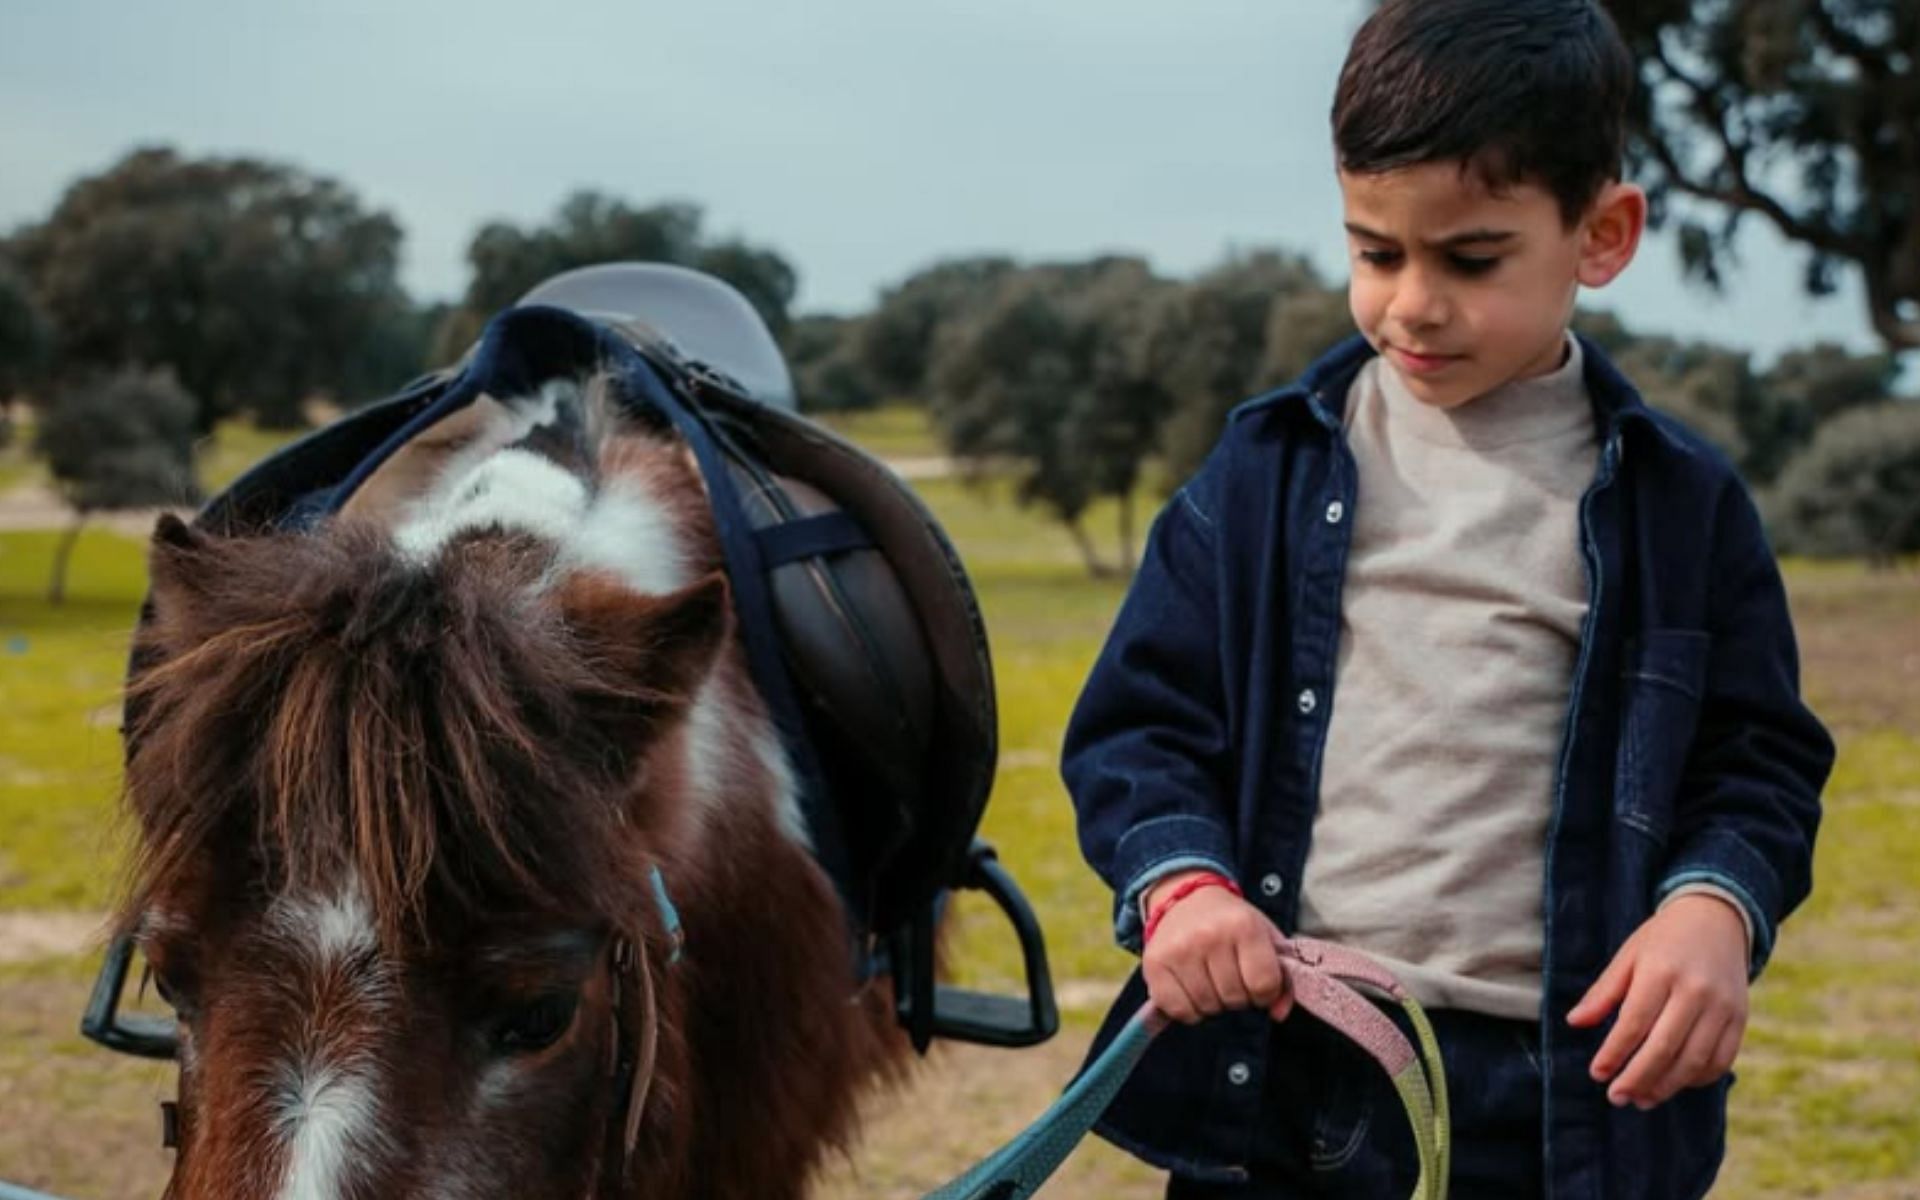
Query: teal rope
1018,1168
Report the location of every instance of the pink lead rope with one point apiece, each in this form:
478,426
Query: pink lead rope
1326,980
1323,978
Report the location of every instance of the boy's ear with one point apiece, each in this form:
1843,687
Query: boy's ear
1610,233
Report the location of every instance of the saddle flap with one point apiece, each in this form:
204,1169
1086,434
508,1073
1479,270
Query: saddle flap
925,627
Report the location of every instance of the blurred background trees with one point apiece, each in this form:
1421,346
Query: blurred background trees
255,283
25,336
591,227
116,440
1050,373
1803,113
1855,492
896,343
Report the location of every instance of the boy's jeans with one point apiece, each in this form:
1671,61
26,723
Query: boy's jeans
1335,1127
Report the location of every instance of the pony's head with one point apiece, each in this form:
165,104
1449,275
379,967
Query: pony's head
396,797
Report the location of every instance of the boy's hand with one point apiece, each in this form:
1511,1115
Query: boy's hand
1212,952
1683,976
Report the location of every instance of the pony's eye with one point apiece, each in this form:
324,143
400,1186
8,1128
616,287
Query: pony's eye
535,1026
170,992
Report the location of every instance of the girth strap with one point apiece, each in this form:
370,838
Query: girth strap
811,537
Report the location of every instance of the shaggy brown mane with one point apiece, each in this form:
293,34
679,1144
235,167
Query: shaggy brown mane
445,731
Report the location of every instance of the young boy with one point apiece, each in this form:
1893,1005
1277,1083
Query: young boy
1455,653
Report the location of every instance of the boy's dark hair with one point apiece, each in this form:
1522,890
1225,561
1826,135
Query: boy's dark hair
1518,91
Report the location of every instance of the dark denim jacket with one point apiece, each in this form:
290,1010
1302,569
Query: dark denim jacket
1687,754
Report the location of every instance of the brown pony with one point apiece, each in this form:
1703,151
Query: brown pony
402,787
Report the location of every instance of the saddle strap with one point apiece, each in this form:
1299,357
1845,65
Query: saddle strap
1324,979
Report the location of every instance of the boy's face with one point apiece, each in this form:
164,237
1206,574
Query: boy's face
1463,289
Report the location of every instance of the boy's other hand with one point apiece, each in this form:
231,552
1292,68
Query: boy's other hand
1683,979
1212,952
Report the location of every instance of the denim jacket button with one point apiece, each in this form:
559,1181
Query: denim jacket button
1270,885
1335,511
1308,701
1239,1073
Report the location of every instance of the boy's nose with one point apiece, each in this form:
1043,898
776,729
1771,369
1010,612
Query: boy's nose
1417,303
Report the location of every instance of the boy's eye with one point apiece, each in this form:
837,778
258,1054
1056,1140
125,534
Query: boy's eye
1469,264
1379,258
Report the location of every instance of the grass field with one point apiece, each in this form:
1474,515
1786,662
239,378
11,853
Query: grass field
1829,1078
896,431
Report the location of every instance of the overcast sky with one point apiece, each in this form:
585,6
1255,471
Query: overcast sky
861,138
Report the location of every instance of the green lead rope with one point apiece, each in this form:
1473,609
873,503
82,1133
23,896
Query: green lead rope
1328,981
1424,1095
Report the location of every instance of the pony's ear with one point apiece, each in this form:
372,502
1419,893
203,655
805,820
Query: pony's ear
176,564
651,652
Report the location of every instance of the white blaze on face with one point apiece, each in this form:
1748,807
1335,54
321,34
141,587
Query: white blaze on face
325,1098
328,1119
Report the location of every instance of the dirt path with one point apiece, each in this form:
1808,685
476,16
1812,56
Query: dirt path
26,936
925,467
32,506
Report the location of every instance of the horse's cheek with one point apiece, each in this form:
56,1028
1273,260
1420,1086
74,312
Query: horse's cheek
538,1136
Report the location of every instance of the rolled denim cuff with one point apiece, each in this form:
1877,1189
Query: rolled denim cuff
1153,850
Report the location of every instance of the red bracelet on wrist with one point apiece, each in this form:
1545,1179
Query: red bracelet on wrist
1181,891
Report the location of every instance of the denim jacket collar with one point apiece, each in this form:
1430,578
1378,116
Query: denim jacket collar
1616,402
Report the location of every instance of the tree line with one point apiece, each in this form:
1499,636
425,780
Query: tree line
165,294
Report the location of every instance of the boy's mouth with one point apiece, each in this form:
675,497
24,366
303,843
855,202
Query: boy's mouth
1422,364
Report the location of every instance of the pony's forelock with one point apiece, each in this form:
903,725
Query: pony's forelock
334,707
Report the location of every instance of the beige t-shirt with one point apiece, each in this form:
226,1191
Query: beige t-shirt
1460,621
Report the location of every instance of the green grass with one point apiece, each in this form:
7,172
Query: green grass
894,431
1832,1062
60,671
